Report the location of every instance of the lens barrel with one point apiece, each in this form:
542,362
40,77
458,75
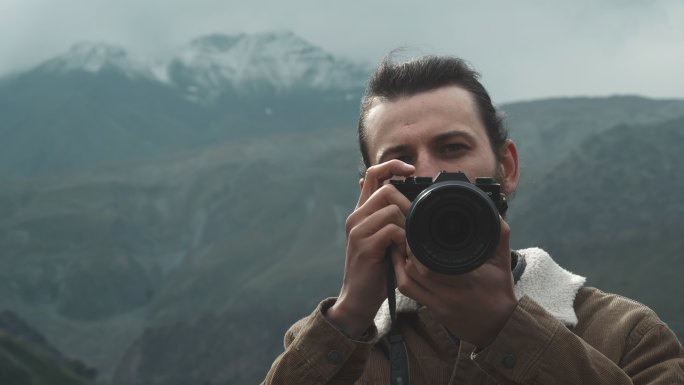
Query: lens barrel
453,227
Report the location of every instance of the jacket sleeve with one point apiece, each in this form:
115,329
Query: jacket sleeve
535,348
316,352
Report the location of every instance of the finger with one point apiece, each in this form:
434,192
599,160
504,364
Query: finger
384,197
430,280
379,219
390,235
406,284
378,174
416,269
502,254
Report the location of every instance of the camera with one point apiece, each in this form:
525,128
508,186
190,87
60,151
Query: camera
452,226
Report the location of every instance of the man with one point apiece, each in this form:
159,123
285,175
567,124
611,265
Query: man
517,319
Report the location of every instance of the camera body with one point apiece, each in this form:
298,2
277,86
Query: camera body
452,226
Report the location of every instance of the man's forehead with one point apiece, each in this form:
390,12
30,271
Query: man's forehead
455,96
452,102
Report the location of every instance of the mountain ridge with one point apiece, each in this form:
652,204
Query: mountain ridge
209,64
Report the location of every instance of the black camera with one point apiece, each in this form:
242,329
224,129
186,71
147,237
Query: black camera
452,225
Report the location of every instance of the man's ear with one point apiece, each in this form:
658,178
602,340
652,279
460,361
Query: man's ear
361,184
508,167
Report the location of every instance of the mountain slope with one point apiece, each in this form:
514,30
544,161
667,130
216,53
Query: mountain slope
612,210
175,240
57,123
26,358
545,131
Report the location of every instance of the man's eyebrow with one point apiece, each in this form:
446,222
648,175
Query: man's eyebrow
445,136
384,153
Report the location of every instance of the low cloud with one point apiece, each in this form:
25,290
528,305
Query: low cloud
524,49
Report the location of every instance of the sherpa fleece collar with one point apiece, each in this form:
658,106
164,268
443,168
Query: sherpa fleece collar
543,280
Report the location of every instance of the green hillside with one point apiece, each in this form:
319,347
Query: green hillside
57,124
26,358
546,131
612,210
175,240
20,364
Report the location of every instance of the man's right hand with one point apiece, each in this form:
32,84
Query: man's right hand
376,224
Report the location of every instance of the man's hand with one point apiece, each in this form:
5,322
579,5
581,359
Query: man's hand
474,306
376,224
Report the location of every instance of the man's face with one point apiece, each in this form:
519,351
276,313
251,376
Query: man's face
438,130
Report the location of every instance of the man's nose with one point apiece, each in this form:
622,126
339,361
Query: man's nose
426,165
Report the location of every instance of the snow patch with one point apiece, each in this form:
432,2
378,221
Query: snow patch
214,64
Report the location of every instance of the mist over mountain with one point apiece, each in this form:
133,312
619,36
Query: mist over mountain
166,219
97,105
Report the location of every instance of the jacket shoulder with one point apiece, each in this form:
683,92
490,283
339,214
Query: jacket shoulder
610,317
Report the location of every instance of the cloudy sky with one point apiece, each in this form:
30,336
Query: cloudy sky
524,49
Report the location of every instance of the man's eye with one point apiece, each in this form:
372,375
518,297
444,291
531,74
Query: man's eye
453,147
405,159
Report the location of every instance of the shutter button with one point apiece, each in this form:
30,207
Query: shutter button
509,361
334,357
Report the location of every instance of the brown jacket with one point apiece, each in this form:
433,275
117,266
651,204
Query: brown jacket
599,339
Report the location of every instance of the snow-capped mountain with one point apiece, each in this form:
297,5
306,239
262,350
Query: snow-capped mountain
99,104
96,57
281,60
211,65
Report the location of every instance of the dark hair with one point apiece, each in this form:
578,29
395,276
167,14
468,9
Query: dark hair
391,81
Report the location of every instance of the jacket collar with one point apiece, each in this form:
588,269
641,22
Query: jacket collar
543,280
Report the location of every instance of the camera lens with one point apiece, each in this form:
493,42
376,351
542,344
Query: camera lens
452,227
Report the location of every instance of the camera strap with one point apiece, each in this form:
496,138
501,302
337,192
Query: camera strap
398,355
